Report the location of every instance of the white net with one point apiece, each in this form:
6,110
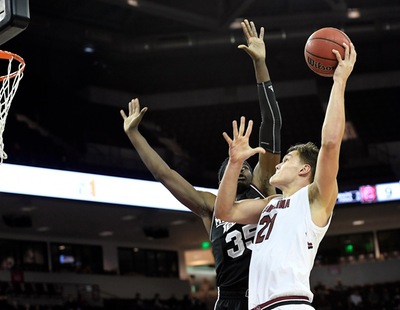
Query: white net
8,88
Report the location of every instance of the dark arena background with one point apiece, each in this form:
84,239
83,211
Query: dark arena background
86,59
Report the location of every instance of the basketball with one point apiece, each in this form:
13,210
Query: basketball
318,50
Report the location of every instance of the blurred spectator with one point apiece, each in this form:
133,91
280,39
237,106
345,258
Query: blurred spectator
372,299
355,300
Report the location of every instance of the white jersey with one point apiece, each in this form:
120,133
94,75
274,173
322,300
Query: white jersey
284,251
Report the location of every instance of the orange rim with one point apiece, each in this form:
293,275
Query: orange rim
8,55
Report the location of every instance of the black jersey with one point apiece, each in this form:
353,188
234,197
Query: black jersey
231,246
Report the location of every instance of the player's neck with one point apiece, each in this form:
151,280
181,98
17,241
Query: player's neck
292,188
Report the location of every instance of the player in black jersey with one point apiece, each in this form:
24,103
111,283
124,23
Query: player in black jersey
231,242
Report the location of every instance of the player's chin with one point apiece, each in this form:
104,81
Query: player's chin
243,185
273,180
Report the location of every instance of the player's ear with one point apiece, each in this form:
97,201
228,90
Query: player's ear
305,170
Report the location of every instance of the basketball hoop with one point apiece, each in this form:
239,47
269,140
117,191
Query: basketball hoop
8,86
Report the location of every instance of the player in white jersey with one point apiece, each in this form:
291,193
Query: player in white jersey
290,226
294,237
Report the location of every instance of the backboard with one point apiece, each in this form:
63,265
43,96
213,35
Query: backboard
14,18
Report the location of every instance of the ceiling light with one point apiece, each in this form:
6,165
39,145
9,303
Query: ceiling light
28,209
106,233
178,222
353,13
88,49
236,24
43,229
128,218
358,222
133,2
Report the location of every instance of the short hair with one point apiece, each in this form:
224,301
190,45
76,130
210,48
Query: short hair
308,153
221,170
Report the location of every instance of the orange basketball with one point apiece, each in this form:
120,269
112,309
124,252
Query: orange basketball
318,50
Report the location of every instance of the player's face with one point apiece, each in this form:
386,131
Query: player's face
287,170
244,179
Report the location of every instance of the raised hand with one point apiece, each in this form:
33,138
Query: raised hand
346,65
255,43
132,121
239,148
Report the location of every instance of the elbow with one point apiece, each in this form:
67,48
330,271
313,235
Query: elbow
159,177
221,213
332,139
330,144
331,147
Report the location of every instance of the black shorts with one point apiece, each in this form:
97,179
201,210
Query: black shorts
232,301
232,304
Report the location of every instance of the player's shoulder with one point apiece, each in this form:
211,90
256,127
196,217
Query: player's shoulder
252,192
272,197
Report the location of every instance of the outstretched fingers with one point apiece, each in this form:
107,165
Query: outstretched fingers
249,129
239,147
235,133
227,138
253,29
239,132
124,117
261,36
135,106
242,131
130,106
235,129
130,109
242,125
246,29
249,29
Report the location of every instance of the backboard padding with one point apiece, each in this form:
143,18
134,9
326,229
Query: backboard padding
14,18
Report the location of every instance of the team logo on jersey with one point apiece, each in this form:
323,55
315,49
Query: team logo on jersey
280,204
226,225
271,88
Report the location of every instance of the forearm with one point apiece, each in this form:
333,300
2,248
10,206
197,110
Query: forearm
271,120
261,71
226,196
245,211
201,203
154,163
334,123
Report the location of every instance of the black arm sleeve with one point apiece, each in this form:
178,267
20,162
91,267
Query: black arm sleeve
271,120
